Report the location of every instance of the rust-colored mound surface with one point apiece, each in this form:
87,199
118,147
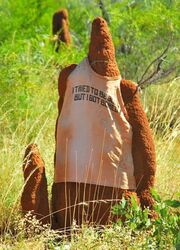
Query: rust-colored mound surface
60,27
35,196
143,148
101,49
84,203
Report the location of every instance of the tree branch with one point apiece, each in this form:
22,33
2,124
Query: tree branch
158,73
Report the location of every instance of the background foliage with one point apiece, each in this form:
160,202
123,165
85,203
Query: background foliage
29,70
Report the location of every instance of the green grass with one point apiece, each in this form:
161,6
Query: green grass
29,70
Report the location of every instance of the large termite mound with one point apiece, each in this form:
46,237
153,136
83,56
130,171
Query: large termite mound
83,201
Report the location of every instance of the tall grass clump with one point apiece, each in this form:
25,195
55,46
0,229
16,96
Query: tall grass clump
161,104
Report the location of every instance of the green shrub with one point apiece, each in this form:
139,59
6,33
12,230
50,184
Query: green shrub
163,231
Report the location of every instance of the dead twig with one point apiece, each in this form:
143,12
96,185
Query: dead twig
158,73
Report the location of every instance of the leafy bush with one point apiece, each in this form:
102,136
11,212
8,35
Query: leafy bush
163,231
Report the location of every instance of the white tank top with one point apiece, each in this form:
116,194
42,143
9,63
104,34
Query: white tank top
94,139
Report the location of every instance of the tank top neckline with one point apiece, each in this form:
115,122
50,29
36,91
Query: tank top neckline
111,78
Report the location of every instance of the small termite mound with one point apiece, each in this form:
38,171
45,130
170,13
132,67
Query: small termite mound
60,28
34,198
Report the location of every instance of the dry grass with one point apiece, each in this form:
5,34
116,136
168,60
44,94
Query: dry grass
161,104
